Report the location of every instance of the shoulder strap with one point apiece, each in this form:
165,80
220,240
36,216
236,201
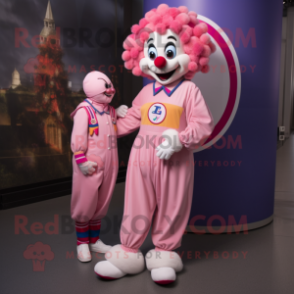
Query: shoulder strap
92,121
112,112
81,105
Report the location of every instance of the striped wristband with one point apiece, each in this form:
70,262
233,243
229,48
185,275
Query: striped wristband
80,157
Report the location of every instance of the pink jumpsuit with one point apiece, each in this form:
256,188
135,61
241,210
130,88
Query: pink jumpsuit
160,191
91,194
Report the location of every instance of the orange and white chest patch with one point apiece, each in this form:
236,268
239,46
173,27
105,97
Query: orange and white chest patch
161,114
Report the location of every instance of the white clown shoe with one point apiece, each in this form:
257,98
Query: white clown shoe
119,263
100,247
163,266
83,253
108,271
163,275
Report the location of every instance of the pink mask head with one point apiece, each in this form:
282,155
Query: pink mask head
98,87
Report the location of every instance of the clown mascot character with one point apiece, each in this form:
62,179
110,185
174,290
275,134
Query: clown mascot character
95,161
169,45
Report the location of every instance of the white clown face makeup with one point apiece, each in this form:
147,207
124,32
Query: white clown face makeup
164,59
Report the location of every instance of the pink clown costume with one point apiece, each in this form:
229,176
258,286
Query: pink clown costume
95,162
169,45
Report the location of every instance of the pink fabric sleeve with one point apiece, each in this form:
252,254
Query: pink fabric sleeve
132,120
199,120
79,135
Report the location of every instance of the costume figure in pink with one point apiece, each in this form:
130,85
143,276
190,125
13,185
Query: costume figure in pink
95,161
156,187
169,45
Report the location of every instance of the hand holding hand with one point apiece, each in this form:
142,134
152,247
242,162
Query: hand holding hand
121,111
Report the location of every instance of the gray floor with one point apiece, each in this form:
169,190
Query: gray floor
268,266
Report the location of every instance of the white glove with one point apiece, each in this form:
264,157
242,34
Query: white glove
88,167
171,144
121,111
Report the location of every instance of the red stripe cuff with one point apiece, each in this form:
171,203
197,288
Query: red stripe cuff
82,230
80,157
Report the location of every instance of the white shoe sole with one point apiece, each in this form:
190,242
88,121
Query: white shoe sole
163,275
107,271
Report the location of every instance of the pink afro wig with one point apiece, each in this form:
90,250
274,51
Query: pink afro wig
193,34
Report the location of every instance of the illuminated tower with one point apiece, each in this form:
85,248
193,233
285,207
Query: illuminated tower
49,32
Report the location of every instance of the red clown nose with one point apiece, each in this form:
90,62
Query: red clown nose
110,91
160,62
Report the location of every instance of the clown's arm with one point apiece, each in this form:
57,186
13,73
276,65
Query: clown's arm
199,127
79,142
199,119
132,119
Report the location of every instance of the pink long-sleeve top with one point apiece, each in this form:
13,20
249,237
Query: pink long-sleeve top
178,106
84,144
